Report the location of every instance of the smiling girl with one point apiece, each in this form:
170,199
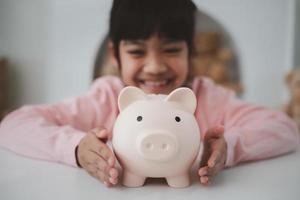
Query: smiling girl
152,42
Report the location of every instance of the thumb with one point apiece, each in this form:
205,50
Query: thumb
214,132
100,133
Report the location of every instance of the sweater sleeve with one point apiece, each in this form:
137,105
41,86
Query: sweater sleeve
52,132
252,132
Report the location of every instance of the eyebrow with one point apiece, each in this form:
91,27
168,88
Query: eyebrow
134,42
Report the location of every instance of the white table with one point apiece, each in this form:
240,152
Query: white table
23,178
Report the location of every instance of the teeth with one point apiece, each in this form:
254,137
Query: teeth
155,83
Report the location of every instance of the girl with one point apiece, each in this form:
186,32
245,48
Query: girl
152,41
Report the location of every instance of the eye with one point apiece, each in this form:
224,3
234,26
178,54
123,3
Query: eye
172,50
177,119
139,118
136,52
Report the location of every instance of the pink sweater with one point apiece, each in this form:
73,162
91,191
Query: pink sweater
51,132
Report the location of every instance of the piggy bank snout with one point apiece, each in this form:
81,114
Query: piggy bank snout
157,146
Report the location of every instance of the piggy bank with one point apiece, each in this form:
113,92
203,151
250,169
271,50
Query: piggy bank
156,136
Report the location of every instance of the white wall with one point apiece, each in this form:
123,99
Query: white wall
52,44
297,35
24,41
76,30
261,30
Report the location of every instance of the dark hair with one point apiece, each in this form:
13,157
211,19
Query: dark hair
139,19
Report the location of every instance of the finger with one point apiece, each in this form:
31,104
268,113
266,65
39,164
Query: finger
94,171
220,165
110,172
219,151
106,154
217,167
104,151
113,176
91,169
100,133
92,158
113,181
210,172
102,165
108,179
103,134
113,173
214,158
205,155
205,180
206,171
98,174
211,133
203,171
214,132
214,171
103,177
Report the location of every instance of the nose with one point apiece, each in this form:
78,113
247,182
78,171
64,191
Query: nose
157,146
154,64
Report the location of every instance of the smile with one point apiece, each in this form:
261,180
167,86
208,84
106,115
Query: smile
155,86
155,83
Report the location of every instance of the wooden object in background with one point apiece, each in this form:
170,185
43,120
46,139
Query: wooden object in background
293,106
3,87
213,60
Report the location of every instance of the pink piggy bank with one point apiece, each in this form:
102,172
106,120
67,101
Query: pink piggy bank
156,136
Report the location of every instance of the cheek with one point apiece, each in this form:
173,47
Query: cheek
180,66
128,69
183,63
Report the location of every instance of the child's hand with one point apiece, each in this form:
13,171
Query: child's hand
214,154
96,157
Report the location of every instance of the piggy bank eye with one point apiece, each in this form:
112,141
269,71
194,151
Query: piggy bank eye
177,119
139,118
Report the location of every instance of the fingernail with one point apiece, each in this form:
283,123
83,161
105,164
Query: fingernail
111,172
110,161
204,180
101,133
113,181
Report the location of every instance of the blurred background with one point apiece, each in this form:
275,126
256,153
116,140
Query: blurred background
52,49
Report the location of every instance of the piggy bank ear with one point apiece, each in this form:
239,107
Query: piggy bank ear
129,95
185,97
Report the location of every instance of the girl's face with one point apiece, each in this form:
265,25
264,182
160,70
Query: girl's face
155,65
